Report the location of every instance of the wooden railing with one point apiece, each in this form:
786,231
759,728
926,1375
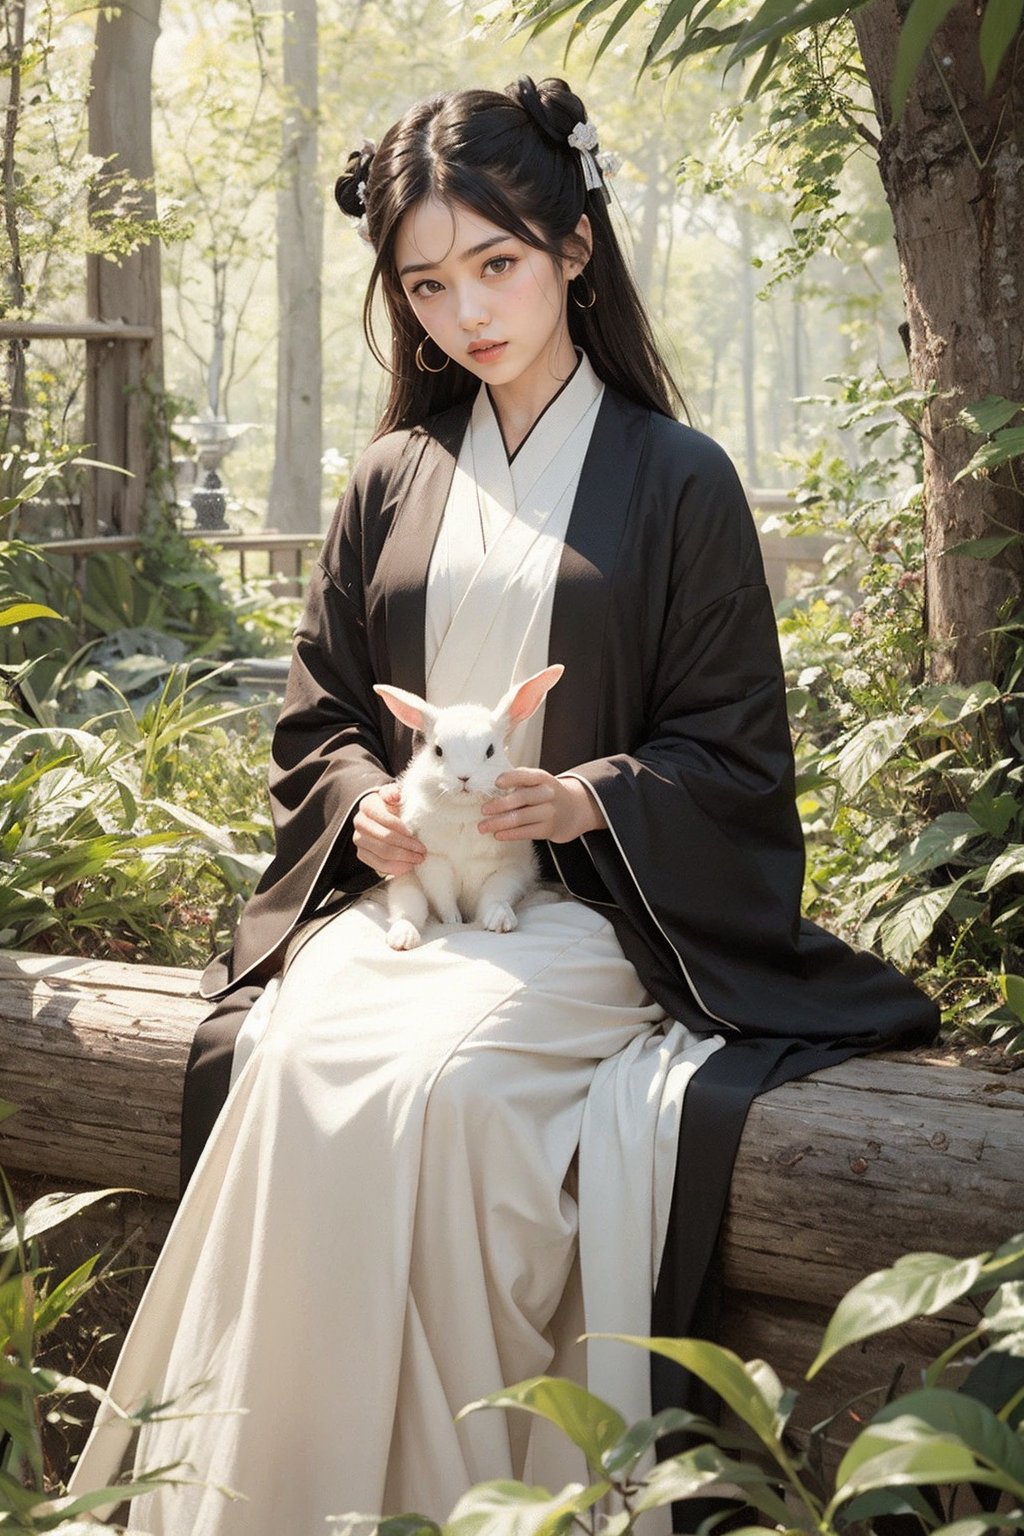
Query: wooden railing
288,554
115,411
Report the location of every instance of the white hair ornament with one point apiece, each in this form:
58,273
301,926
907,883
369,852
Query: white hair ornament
584,138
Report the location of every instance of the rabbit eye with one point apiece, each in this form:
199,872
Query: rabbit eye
490,750
438,752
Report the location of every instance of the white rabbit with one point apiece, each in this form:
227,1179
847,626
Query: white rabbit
465,874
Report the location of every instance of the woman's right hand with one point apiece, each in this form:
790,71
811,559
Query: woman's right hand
381,839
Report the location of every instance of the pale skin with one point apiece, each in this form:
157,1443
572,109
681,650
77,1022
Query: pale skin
470,283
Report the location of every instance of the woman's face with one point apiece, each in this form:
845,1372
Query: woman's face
491,302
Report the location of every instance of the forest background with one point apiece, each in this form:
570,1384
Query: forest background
133,810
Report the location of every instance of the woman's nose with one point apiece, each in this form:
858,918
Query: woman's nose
472,309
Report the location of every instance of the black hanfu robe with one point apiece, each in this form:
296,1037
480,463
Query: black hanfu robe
672,710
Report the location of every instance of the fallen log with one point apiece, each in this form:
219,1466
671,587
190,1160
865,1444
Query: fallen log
837,1174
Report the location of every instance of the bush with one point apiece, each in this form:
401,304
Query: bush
32,1306
958,1432
911,794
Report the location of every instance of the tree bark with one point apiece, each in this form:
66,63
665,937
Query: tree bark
295,487
14,278
119,375
836,1174
952,169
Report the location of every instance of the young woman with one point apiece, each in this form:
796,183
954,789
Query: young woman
416,1177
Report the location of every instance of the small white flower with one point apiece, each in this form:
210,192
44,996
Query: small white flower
361,193
610,162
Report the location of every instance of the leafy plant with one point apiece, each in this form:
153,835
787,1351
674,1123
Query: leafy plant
102,840
32,1305
916,1454
685,29
912,794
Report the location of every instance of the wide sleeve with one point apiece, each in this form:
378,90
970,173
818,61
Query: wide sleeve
703,847
327,752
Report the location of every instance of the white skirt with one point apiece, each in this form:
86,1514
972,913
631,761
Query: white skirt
390,1220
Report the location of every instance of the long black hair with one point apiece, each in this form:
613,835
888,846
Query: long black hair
506,155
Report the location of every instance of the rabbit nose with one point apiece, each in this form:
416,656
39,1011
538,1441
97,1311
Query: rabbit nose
463,778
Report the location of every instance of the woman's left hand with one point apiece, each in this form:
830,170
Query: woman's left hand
538,805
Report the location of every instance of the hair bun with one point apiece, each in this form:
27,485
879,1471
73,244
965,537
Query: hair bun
350,187
552,106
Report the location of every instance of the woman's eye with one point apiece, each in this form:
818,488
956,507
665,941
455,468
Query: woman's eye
489,752
438,752
425,287
501,264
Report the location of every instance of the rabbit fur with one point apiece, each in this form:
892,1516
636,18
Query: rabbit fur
466,875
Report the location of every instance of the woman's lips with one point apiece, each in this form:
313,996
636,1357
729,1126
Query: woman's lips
488,354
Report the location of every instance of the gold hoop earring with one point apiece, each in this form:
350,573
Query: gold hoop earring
423,365
591,300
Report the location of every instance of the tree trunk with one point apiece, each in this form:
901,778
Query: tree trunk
748,350
835,1174
953,169
14,278
118,374
295,487
647,238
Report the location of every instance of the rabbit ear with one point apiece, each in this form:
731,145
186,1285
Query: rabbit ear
413,711
519,703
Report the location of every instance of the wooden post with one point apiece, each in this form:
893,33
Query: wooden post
120,132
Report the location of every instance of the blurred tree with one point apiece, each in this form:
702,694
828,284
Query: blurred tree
13,297
294,501
126,287
947,80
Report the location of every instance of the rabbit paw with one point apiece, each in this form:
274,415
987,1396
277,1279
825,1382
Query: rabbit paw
450,914
403,934
499,918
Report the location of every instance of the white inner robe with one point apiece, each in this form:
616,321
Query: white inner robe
434,1168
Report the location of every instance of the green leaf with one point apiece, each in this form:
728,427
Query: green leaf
79,1504
912,923
949,704
1005,1311
917,1285
994,411
983,549
640,1436
997,1379
938,842
1012,988
993,813
870,749
1005,445
18,613
589,1423
407,1525
923,20
1006,1263
1008,864
744,1388
979,1525
506,1508
934,1436
64,1295
51,1210
999,25
616,25
683,1476
777,19
929,1459
671,19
